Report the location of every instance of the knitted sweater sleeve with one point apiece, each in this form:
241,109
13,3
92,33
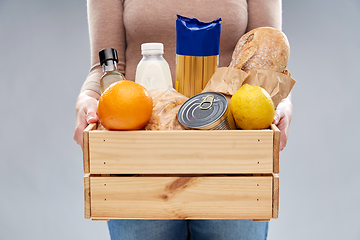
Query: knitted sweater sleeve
264,13
106,30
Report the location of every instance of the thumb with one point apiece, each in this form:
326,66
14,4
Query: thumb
278,115
276,118
91,115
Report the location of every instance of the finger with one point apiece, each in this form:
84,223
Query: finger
283,127
80,126
91,115
283,141
277,117
78,133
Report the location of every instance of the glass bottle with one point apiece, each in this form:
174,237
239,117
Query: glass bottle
153,71
108,60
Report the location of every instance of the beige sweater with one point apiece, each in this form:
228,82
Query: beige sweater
126,24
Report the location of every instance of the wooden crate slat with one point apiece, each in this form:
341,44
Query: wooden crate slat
182,198
87,197
186,152
275,207
85,147
276,148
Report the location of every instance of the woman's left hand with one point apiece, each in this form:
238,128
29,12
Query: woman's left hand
282,119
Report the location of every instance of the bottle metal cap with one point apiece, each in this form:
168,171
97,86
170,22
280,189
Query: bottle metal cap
108,54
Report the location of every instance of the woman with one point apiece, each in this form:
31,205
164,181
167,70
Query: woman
125,25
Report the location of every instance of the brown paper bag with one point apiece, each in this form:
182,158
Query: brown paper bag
228,80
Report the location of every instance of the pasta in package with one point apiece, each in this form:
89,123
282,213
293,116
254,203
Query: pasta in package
197,53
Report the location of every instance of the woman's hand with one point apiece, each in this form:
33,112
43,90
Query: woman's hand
86,113
282,120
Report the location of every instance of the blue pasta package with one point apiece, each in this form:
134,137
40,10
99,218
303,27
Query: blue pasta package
196,38
197,53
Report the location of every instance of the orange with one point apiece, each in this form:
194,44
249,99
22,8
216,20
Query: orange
125,105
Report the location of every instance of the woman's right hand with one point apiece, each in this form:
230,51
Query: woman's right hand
86,113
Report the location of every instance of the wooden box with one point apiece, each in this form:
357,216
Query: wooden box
192,174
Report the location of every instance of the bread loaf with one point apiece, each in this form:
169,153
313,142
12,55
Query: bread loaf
262,48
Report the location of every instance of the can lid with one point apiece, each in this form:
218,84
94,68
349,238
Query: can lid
203,111
108,54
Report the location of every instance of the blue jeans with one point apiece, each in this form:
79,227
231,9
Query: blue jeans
187,229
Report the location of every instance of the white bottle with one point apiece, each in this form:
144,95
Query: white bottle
153,71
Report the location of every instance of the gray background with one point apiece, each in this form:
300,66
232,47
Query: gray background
44,58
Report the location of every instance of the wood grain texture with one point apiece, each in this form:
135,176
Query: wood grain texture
235,197
276,147
87,197
275,204
85,147
181,152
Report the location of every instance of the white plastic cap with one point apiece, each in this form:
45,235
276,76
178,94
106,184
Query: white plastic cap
152,48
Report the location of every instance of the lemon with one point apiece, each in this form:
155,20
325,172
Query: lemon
252,108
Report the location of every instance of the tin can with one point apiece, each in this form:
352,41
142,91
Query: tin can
206,111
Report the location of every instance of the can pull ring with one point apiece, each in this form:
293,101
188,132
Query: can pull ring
207,99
